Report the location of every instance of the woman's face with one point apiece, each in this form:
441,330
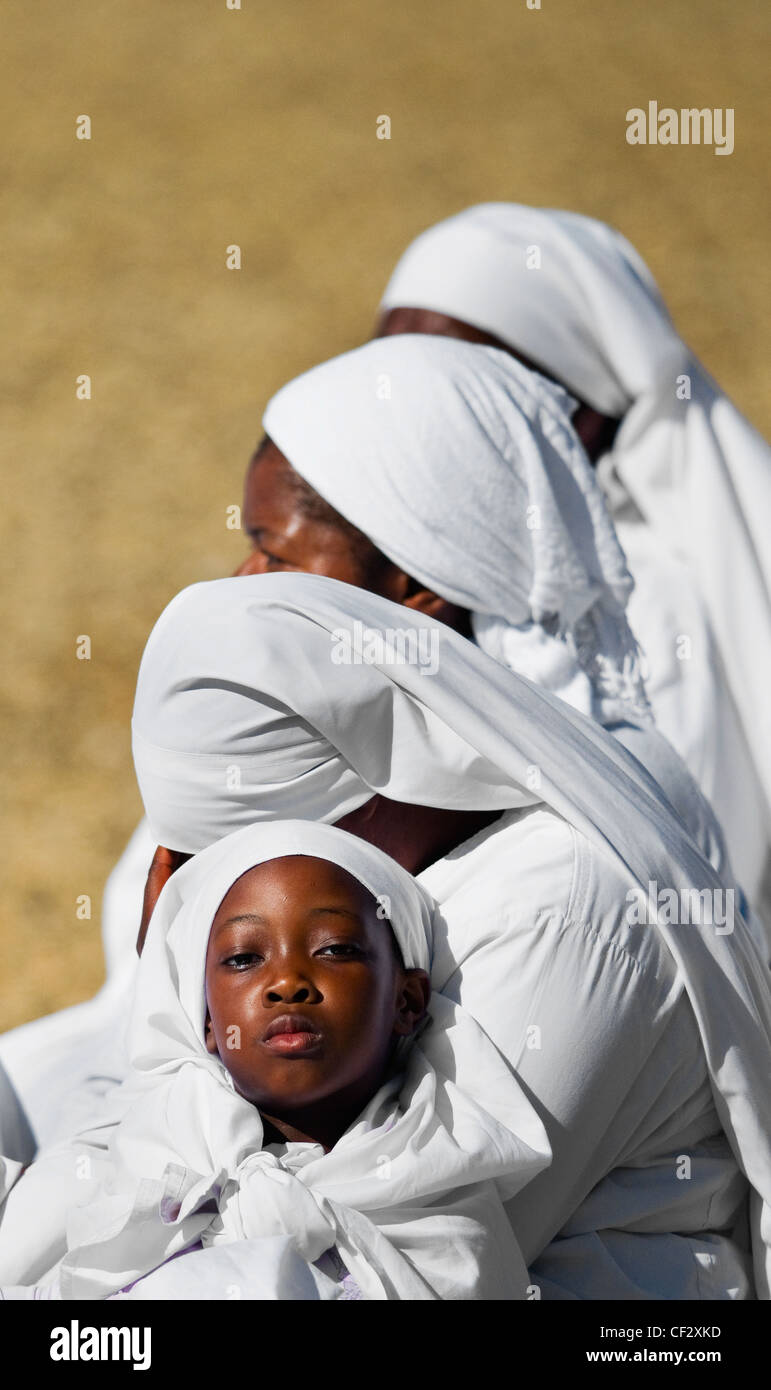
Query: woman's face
284,536
304,990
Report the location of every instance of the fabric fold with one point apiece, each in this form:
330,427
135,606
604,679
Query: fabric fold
474,737
186,1163
574,296
468,475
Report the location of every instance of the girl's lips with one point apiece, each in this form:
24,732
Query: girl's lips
290,1043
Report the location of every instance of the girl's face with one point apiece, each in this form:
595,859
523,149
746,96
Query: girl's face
304,991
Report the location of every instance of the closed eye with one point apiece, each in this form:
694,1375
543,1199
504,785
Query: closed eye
268,556
271,559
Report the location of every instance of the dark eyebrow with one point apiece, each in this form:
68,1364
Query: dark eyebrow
253,917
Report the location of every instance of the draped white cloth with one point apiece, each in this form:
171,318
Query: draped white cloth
240,710
466,473
573,296
10,1171
469,476
407,1197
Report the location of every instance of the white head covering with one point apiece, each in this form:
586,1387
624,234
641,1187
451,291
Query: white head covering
239,674
462,467
573,296
187,1161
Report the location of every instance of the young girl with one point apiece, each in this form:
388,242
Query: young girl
282,1105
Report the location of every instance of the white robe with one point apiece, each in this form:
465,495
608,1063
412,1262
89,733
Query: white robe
596,1023
248,661
469,476
574,297
49,1063
690,698
529,902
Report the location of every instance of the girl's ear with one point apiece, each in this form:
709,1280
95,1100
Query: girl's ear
412,1002
211,1041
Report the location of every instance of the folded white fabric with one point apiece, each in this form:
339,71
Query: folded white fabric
465,471
268,1269
407,1196
242,714
574,296
565,290
469,475
10,1171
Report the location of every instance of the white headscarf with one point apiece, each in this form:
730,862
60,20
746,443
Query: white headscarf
187,1161
241,713
573,296
462,467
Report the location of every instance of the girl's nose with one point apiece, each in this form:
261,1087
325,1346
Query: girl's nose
292,988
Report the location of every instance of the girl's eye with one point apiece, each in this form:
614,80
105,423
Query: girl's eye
340,949
242,960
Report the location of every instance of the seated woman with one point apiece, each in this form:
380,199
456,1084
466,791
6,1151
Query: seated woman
280,1097
465,494
686,476
645,1050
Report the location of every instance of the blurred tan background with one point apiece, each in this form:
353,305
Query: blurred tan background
258,127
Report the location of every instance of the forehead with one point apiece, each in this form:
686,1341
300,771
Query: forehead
269,479
268,460
277,501
295,884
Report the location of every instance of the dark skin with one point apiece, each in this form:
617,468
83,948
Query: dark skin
284,538
415,836
595,431
300,963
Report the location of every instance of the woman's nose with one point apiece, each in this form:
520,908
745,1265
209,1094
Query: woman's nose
254,563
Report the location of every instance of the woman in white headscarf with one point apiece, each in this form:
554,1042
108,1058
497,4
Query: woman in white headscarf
460,467
485,529
641,1040
241,710
687,478
405,1204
